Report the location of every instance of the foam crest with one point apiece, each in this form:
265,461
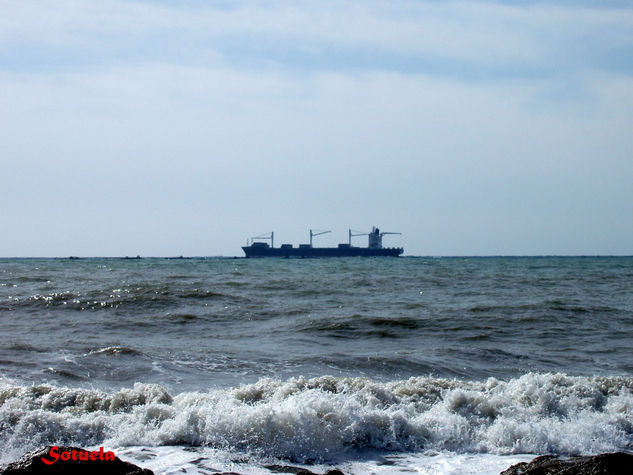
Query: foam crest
321,418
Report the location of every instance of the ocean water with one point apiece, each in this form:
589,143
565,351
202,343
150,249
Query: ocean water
385,365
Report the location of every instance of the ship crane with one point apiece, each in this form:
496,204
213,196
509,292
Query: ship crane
353,233
270,236
318,233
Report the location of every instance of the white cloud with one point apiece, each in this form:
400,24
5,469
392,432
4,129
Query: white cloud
514,38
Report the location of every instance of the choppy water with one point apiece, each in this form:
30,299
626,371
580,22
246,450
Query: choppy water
372,365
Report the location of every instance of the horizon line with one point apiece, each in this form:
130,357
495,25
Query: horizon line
431,256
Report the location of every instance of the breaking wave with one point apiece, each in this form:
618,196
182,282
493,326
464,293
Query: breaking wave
326,417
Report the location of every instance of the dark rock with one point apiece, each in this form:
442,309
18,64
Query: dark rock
603,464
32,464
289,469
299,470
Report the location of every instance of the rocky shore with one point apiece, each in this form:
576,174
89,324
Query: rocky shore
77,461
56,460
604,464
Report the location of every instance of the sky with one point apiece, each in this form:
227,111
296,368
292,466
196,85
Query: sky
161,128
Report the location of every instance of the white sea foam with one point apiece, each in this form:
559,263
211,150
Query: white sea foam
333,419
176,460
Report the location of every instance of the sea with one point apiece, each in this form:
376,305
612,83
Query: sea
433,365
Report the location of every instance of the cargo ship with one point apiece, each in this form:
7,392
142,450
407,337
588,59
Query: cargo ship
257,247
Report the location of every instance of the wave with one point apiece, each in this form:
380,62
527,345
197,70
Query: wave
319,418
358,325
115,351
139,298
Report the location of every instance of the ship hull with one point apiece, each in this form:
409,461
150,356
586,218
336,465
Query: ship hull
254,251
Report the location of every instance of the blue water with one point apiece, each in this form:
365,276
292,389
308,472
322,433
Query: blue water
319,360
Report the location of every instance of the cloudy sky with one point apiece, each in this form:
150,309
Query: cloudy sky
167,128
